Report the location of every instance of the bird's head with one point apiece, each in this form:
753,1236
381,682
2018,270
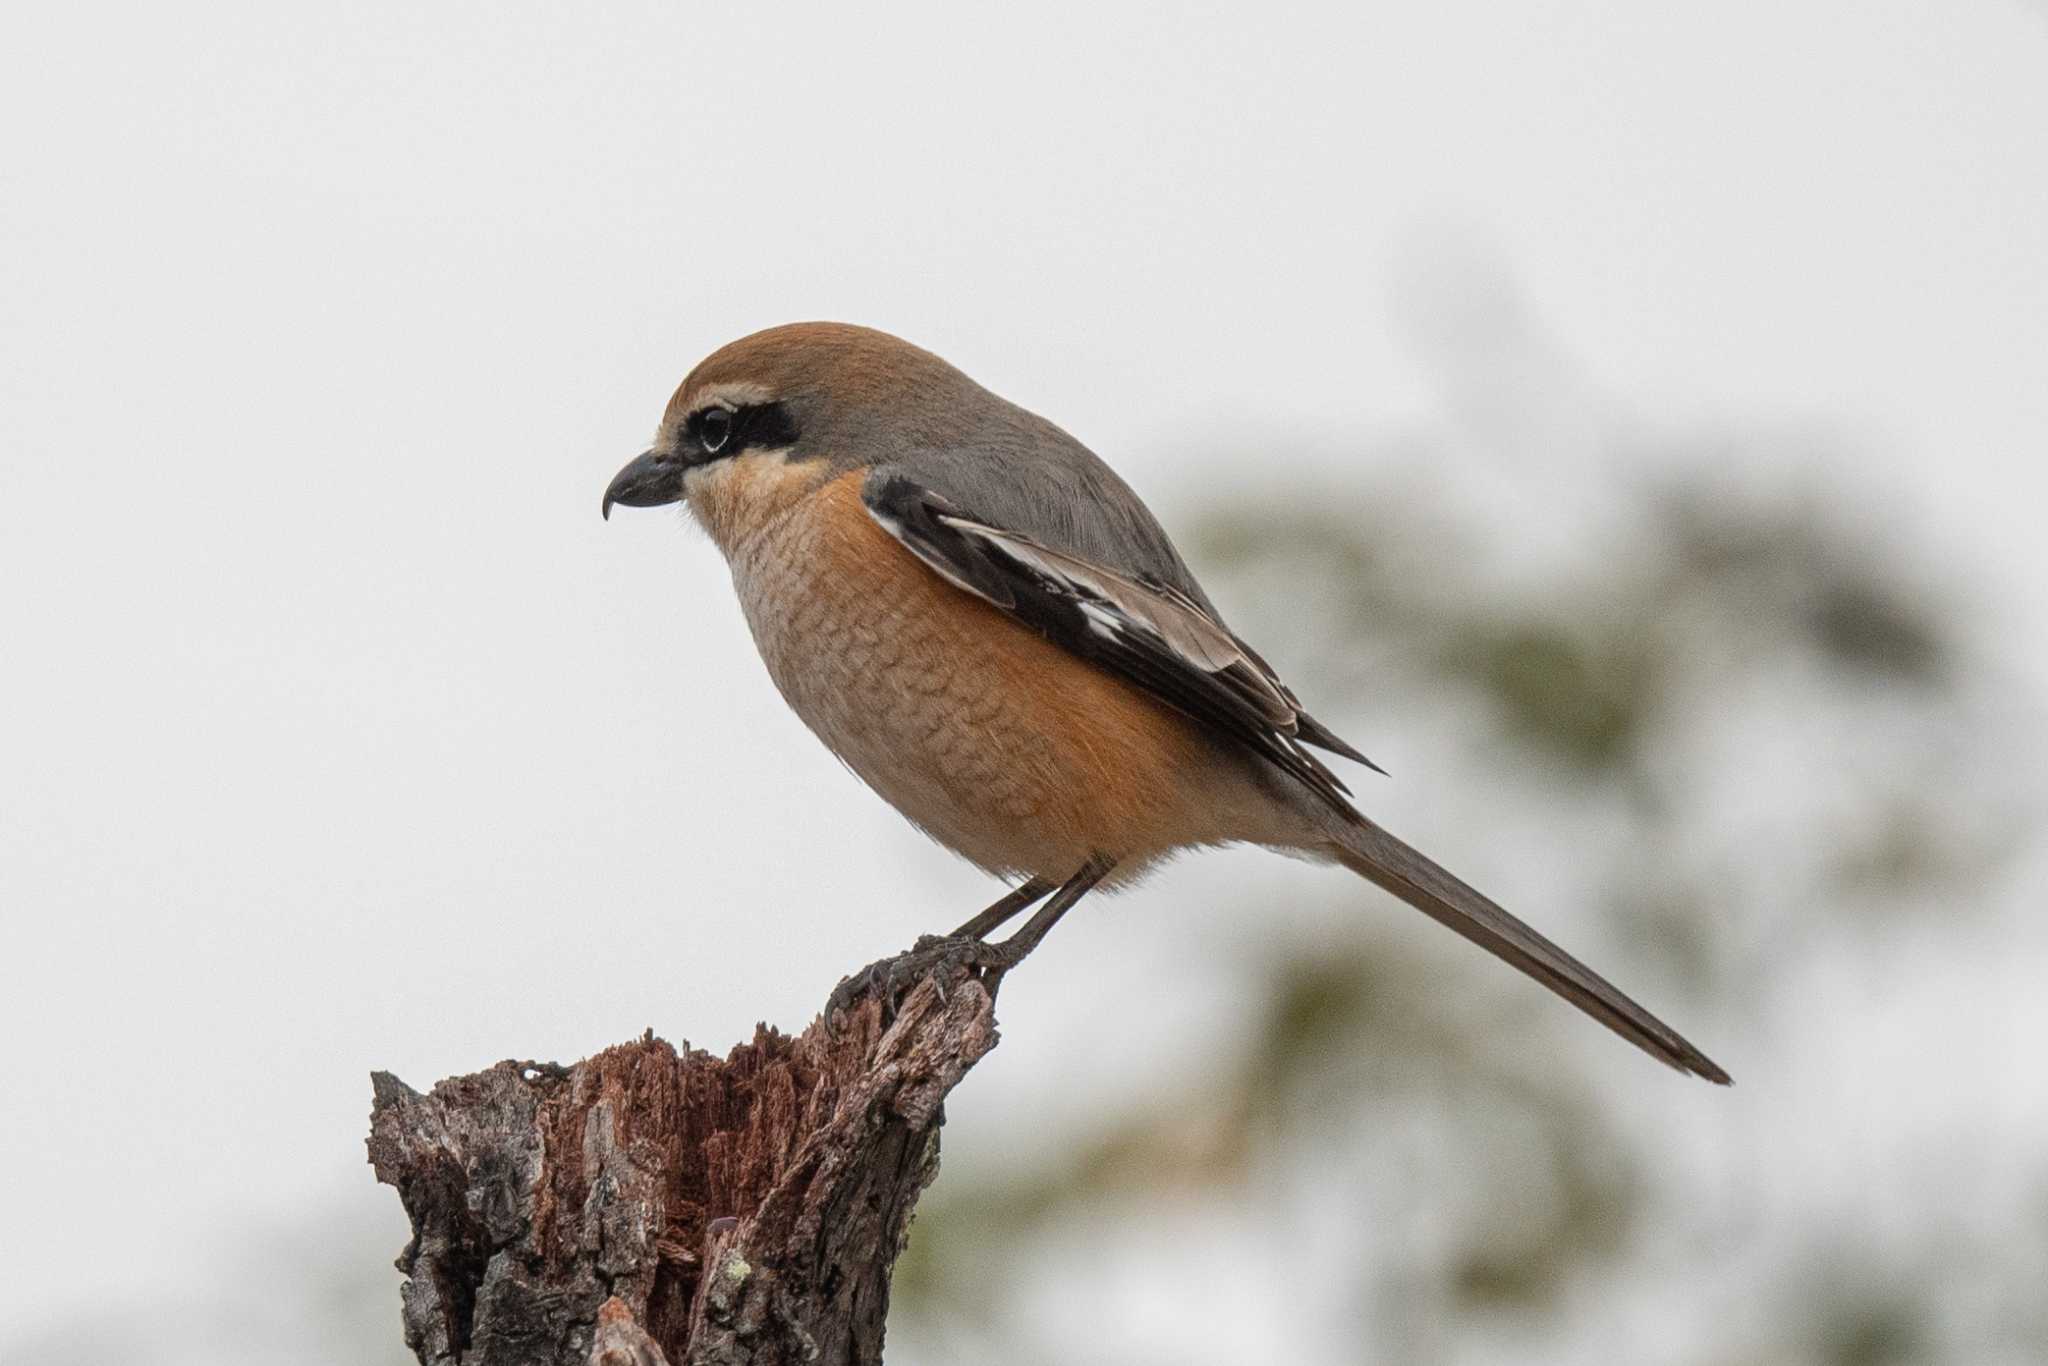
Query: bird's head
784,409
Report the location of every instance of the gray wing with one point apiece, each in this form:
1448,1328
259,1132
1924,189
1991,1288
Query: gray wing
1026,475
1137,625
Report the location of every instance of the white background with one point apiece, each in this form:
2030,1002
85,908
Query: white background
333,714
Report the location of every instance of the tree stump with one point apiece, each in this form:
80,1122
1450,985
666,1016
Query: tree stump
649,1206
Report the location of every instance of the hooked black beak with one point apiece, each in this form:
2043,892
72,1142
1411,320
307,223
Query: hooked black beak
653,478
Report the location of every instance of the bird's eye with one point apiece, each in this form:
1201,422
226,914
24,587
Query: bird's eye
714,429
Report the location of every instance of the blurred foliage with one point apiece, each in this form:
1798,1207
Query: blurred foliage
1582,699
1578,1191
1619,677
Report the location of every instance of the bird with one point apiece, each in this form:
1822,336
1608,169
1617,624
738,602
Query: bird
984,622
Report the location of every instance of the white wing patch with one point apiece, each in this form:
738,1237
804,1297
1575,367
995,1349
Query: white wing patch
1113,603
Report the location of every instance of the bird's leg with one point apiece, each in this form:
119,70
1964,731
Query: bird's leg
1000,958
1003,912
891,977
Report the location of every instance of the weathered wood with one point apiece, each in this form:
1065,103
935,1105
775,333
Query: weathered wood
735,1212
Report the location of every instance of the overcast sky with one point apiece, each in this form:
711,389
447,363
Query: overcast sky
334,717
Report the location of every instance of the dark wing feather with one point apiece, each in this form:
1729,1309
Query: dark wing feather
1138,627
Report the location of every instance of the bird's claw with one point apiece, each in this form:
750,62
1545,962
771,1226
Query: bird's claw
935,956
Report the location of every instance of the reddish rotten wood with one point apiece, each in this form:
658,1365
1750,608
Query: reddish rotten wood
744,1210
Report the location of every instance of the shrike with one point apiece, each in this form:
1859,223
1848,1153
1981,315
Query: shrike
986,624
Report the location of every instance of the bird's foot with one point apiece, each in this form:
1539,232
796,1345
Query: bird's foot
937,956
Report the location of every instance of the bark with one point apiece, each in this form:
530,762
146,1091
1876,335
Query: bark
653,1206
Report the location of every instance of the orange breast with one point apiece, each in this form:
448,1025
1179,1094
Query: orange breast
994,740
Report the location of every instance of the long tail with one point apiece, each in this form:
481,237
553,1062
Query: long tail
1377,856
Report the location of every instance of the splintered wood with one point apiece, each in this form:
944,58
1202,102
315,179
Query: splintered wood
648,1206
